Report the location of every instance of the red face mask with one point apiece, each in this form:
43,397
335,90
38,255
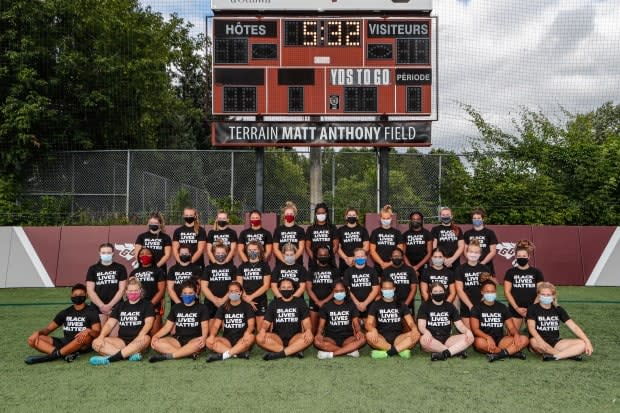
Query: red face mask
255,222
289,218
145,260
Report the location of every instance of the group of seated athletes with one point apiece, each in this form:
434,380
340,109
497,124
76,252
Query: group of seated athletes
350,303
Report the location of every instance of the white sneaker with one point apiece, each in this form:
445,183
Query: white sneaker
325,355
355,354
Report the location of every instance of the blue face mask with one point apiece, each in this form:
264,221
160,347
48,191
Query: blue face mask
234,296
340,295
546,299
360,261
476,222
389,294
188,299
490,297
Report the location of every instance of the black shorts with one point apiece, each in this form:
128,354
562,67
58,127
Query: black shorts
233,339
211,309
552,341
127,340
338,339
465,311
285,340
261,306
183,340
60,342
314,306
441,339
513,312
389,336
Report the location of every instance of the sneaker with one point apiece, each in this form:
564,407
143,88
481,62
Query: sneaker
497,356
195,356
437,356
37,359
72,357
323,355
135,357
243,355
406,354
157,357
214,357
354,354
300,354
379,354
577,358
519,355
548,357
273,356
99,361
463,354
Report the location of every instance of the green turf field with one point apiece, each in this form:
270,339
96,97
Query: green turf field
310,384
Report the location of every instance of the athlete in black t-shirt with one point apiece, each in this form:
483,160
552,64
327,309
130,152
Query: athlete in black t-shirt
153,280
321,234
435,319
390,328
543,323
237,321
448,237
489,320
215,279
339,332
437,272
286,329
255,277
289,232
221,232
106,281
191,234
418,242
349,237
289,269
404,278
255,233
190,323
384,239
80,325
135,320
486,238
362,283
156,240
182,271
320,284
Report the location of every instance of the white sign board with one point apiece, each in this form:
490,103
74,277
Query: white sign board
322,5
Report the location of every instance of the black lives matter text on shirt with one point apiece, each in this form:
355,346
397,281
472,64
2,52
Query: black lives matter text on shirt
234,320
320,236
106,279
155,242
149,277
287,317
179,274
253,275
524,284
389,316
187,319
227,236
445,276
351,238
385,241
131,317
75,321
219,276
261,235
415,244
447,239
548,321
470,277
338,319
323,279
491,318
360,281
439,318
295,272
187,236
403,278
485,238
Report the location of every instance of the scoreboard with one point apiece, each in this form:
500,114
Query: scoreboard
322,64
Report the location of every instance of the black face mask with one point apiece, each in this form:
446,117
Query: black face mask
415,224
78,299
397,261
522,261
153,227
189,220
287,293
222,223
323,259
351,220
438,296
185,258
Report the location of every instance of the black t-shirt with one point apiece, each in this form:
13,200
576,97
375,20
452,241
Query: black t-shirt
360,281
444,276
415,244
524,284
386,240
226,235
219,276
470,276
283,235
186,236
261,235
323,279
403,277
155,242
131,317
389,316
286,317
295,272
351,238
179,274
439,318
548,321
492,318
253,275
338,319
74,321
447,239
106,279
188,319
320,236
234,320
149,277
485,237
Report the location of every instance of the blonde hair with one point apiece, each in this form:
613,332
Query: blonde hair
215,224
196,221
289,246
220,244
474,243
387,209
547,285
160,218
289,205
134,281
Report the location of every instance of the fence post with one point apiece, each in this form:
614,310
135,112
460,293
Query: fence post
384,176
439,184
232,179
260,177
127,184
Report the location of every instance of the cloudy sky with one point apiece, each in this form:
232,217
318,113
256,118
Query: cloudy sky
499,56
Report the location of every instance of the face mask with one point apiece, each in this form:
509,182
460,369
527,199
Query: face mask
78,299
416,224
106,258
389,294
154,227
289,259
340,295
189,220
386,222
476,222
287,293
360,261
222,223
321,217
145,260
220,257
133,295
546,299
289,218
446,220
188,298
438,296
437,262
397,261
351,220
522,261
234,296
185,258
323,259
490,297
255,222
473,257
253,255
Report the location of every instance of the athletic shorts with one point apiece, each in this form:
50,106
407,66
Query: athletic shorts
390,337
183,340
338,339
513,312
314,306
211,309
60,342
464,311
552,341
441,339
233,339
261,306
127,340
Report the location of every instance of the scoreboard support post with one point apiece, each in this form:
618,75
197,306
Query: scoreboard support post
384,176
316,179
260,178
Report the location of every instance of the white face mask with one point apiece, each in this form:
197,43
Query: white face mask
321,217
386,222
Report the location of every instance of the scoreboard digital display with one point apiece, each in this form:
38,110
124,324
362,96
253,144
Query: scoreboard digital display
322,65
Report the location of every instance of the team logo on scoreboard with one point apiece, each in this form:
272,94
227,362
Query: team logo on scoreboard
334,101
360,77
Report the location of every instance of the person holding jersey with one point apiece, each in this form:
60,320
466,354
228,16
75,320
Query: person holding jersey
404,278
192,235
349,237
156,240
521,282
153,280
467,278
255,277
435,319
322,233
80,325
255,233
134,317
437,272
182,271
286,329
384,239
449,237
215,279
362,282
287,232
320,284
543,323
235,318
106,281
418,242
339,332
489,321
190,323
289,269
487,240
390,329
222,232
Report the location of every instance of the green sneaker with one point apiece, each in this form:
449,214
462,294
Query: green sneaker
379,354
406,354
